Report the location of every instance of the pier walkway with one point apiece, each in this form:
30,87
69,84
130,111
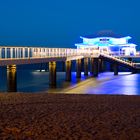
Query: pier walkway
11,56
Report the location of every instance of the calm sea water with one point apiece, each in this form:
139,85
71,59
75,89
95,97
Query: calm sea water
106,83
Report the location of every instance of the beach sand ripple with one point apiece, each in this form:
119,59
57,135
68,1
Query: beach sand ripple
69,117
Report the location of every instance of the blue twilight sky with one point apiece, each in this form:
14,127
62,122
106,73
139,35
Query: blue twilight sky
59,23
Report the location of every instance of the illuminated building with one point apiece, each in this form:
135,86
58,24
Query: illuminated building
111,45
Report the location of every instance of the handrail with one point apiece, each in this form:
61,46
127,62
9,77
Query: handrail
30,52
118,59
35,52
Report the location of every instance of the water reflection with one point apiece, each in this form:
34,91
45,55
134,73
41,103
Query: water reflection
105,83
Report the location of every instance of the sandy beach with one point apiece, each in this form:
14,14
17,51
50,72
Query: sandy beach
69,117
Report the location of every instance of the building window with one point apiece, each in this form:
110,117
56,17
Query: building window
104,39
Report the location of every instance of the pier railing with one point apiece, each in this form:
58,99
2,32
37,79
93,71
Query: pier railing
8,52
119,59
34,52
53,52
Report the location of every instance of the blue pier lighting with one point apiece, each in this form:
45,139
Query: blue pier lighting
111,45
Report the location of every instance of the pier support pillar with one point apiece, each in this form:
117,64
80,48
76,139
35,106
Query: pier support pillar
68,70
94,66
86,66
111,67
101,65
52,74
134,71
63,66
78,68
11,78
115,67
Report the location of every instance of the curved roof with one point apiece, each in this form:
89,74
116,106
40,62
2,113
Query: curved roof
104,33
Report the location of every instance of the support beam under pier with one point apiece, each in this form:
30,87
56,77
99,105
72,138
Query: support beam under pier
101,65
11,78
52,74
63,66
111,67
86,66
134,71
68,70
78,68
94,66
115,68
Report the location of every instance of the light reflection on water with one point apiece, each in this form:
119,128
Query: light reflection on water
106,83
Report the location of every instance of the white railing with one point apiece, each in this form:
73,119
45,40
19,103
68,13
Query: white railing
124,61
34,52
15,52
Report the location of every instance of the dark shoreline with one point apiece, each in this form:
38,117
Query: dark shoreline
65,116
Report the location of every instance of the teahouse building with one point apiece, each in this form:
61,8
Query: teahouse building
109,44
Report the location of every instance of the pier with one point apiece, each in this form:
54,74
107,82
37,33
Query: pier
13,56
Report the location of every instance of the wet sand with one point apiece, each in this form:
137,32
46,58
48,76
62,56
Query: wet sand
69,117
